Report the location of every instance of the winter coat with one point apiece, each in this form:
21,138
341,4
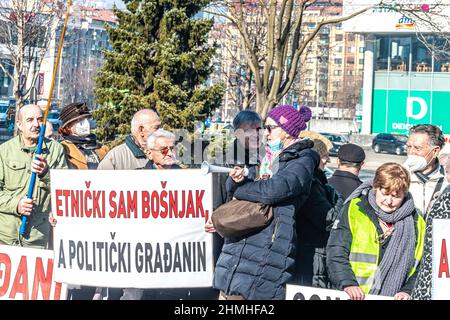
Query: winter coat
339,243
344,182
15,173
440,210
126,156
313,229
258,266
220,193
425,193
76,159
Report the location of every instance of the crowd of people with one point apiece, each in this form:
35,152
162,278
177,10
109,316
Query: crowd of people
340,233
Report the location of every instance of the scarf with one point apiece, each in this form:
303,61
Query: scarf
398,259
267,164
86,143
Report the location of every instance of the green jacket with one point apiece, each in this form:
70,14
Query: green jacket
15,173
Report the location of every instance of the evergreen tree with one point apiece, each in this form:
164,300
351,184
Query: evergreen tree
160,60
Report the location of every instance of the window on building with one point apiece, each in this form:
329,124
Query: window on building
339,26
351,37
361,61
311,25
350,60
308,82
339,49
337,60
361,49
350,72
351,49
339,37
399,54
421,56
337,72
336,84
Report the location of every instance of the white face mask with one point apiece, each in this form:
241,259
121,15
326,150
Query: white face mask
416,163
82,128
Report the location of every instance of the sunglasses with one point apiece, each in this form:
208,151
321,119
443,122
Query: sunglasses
270,127
164,151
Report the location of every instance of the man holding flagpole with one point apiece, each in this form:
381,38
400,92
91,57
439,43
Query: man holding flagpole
17,162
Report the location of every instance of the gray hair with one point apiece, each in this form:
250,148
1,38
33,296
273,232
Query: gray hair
160,133
434,133
246,116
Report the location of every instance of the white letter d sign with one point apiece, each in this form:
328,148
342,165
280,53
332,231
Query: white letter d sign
409,108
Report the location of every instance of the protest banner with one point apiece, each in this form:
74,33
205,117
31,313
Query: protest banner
441,272
27,274
139,228
294,292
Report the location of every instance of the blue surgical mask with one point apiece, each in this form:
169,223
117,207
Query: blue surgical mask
275,145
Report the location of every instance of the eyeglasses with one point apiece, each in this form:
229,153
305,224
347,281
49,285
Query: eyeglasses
165,150
270,127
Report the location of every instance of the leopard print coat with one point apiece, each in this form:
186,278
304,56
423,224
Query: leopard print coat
440,210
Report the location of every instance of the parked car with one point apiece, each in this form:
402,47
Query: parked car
391,143
337,140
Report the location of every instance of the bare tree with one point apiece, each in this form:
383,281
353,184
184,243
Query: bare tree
273,50
26,30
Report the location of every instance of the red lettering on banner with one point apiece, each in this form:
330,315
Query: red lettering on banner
5,275
190,206
42,279
58,203
20,284
163,184
88,184
122,211
443,261
132,203
173,204
145,204
112,204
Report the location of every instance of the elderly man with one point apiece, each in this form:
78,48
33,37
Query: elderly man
130,155
17,161
346,178
161,151
427,175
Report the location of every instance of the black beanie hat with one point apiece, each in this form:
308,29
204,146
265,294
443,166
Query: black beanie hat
73,112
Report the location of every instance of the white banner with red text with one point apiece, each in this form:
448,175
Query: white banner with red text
441,270
294,292
132,228
27,274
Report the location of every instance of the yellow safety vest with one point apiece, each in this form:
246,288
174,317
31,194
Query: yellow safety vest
365,248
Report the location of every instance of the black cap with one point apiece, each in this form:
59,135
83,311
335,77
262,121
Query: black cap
351,153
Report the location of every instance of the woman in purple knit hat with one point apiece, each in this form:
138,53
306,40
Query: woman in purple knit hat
258,265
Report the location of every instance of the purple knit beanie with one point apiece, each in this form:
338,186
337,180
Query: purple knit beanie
291,120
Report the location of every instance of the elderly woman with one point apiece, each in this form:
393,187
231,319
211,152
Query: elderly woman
377,243
258,265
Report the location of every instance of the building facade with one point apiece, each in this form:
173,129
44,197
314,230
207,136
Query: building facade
406,66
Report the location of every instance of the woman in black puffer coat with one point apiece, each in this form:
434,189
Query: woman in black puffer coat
258,265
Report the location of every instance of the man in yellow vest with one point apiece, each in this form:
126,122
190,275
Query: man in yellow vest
377,242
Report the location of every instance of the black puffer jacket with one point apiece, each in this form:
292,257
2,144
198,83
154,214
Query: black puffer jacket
258,265
313,229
